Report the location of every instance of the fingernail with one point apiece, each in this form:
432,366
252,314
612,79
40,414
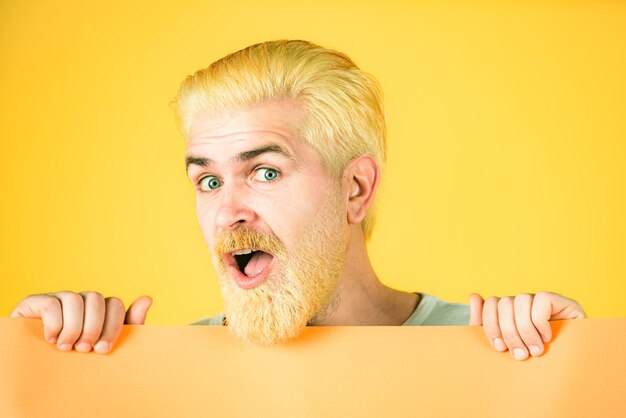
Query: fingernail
65,347
52,340
101,347
83,347
545,339
535,350
519,354
499,344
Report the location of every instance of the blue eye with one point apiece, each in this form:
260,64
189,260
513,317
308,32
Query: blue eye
209,182
267,174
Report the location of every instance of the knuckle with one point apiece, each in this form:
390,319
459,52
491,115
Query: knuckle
38,296
115,303
505,301
61,294
73,298
522,297
490,314
543,295
93,297
51,302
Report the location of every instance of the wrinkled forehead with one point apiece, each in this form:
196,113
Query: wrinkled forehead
238,135
283,117
232,130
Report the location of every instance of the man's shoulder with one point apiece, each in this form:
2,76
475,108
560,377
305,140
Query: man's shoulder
217,320
434,311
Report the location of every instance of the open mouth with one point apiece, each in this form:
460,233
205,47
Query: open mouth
251,262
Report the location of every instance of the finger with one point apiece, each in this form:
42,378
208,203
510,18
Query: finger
491,325
52,318
93,321
113,321
29,307
46,307
525,327
508,327
138,310
72,312
476,309
541,313
562,307
551,306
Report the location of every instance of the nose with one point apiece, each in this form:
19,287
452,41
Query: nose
233,209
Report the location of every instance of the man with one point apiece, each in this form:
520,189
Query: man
286,143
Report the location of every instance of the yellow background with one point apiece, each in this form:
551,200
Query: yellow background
507,138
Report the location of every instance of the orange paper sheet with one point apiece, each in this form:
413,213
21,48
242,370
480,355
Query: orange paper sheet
193,371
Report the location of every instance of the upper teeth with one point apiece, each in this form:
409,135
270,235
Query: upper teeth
242,252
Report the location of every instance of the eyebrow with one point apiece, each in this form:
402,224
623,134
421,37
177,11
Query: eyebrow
241,157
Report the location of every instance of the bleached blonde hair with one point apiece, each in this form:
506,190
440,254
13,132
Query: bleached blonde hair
344,114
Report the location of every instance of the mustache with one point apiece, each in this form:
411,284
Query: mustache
248,237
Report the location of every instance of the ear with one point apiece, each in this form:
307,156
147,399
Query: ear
361,177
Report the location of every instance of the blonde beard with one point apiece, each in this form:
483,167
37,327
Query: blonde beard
299,288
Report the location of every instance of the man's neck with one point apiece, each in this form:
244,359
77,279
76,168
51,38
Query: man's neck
360,298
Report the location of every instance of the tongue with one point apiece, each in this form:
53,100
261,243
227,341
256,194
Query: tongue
257,263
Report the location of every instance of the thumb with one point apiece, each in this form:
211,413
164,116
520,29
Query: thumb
476,309
548,306
136,314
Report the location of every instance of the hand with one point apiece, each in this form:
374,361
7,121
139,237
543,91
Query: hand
83,320
522,321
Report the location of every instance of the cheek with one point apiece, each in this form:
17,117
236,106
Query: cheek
292,213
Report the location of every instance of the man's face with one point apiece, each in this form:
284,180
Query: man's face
260,187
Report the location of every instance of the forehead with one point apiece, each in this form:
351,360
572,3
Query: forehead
281,119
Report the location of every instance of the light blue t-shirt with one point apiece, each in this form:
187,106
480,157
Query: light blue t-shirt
430,311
